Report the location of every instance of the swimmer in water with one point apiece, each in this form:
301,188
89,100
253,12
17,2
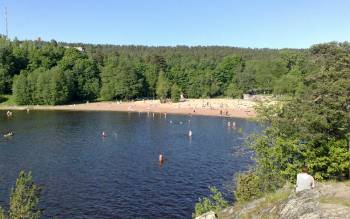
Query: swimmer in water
233,125
190,133
161,158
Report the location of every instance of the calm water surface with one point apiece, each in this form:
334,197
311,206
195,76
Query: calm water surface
86,176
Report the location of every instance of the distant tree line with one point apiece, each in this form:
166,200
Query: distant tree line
53,73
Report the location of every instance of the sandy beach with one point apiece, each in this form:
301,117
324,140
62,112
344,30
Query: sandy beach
208,107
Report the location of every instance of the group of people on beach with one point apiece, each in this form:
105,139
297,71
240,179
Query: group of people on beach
224,113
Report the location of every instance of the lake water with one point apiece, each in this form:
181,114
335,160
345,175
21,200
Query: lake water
86,176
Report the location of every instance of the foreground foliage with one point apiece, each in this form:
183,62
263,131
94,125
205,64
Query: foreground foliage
247,187
312,129
215,202
24,199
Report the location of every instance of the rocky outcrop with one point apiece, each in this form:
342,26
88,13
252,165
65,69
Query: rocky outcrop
329,200
208,215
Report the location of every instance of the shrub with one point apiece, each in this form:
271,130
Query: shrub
247,187
215,202
233,91
2,214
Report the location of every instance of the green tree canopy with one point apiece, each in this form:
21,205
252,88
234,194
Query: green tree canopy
312,129
25,198
163,87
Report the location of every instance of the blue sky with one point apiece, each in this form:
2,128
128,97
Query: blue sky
245,23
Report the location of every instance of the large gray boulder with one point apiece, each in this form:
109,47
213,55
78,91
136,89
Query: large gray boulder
208,215
330,200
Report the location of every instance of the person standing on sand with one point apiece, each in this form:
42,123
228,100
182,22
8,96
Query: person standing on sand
304,180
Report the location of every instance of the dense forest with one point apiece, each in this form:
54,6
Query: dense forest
38,72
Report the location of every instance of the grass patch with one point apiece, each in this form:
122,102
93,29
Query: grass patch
7,100
335,200
284,98
266,202
333,182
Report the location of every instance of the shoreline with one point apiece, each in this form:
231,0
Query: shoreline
235,108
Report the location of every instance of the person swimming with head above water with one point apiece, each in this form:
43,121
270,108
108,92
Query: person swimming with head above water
9,134
190,133
9,113
161,158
